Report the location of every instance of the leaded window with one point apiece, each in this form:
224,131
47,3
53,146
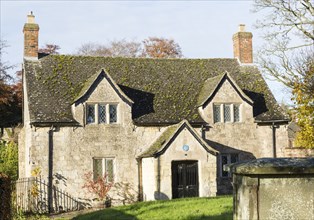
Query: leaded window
236,112
97,168
103,167
109,169
224,161
227,113
227,159
90,114
113,113
217,113
102,113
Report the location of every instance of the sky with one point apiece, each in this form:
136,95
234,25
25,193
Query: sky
203,29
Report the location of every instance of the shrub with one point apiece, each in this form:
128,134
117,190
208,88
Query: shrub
9,159
5,195
100,187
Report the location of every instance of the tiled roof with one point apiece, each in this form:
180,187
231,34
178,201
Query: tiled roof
164,91
212,85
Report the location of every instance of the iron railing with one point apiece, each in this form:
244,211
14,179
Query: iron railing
32,196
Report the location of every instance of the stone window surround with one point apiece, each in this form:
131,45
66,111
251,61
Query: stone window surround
221,169
107,104
232,104
104,168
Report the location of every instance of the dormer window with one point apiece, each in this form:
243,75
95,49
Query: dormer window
226,112
101,113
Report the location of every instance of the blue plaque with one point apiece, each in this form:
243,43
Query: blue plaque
185,147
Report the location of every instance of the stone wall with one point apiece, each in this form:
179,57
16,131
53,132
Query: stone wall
298,152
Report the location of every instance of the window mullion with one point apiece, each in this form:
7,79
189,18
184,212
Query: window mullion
107,114
103,167
231,113
96,114
222,113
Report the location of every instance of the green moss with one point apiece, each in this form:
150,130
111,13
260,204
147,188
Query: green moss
175,84
164,137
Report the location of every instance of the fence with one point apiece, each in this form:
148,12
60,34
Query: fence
32,196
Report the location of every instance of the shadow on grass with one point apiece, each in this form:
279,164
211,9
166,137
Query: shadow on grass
223,216
120,215
106,214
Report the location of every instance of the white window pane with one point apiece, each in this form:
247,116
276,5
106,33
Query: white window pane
90,117
227,113
109,170
236,112
217,113
113,113
97,168
102,113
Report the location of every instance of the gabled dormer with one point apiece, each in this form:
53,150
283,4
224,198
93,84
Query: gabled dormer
102,102
221,100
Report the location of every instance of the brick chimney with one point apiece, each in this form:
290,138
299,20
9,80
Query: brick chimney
30,31
242,45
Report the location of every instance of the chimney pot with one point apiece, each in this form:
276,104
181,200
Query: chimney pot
242,28
30,18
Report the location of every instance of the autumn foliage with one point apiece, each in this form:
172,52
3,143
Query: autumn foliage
161,48
100,187
304,98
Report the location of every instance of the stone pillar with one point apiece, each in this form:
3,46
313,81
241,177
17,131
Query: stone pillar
30,31
273,188
242,45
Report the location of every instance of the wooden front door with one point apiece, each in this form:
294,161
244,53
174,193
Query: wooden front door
184,179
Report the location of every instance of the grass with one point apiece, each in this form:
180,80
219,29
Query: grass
216,208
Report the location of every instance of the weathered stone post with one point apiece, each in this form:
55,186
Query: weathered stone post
273,188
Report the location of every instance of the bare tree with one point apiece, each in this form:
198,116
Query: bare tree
117,48
152,47
289,32
161,48
4,66
49,49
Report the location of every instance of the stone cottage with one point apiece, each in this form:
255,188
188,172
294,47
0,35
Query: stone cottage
160,128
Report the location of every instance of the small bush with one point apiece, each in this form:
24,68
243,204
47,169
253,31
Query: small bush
5,195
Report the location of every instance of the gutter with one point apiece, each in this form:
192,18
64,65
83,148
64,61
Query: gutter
56,124
280,121
50,167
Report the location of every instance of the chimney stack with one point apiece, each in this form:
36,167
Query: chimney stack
30,31
242,45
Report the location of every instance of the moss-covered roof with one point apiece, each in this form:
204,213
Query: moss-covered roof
161,140
93,80
164,91
166,138
212,85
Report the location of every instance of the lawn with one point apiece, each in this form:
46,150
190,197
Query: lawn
192,208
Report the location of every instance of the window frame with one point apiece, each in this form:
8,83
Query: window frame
228,162
104,167
222,108
97,120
